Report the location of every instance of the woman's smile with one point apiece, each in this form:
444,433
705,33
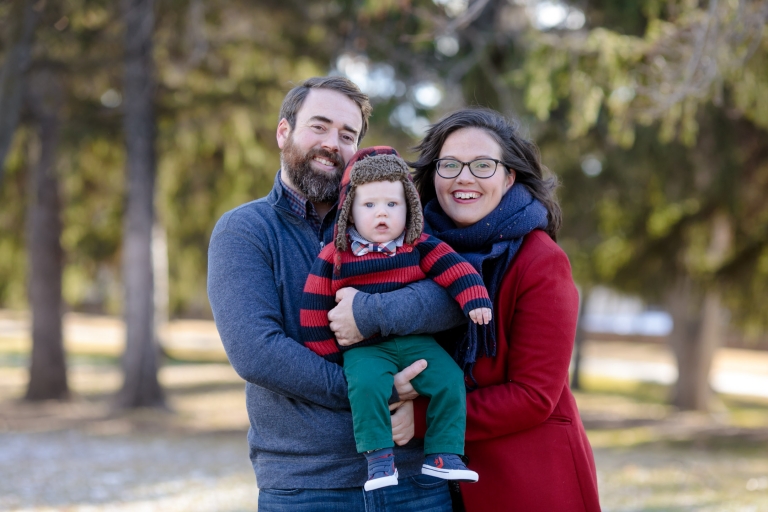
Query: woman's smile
465,196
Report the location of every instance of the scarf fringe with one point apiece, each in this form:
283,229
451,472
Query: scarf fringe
479,341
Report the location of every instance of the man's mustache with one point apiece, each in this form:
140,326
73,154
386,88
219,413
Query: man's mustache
335,158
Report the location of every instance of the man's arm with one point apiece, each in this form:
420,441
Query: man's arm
244,297
419,308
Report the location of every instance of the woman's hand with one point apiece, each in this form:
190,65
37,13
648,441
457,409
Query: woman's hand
403,426
403,379
342,318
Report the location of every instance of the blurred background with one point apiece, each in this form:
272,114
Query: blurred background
127,128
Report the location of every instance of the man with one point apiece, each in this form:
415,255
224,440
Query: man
301,443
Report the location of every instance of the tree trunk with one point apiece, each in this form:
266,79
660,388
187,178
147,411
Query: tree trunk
48,371
141,387
694,341
578,345
23,20
699,325
162,280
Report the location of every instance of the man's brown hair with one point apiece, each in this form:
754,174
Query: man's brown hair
296,96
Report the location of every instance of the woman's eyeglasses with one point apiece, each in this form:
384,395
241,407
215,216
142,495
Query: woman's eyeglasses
481,168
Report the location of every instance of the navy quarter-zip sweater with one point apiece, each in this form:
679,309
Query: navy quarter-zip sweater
300,433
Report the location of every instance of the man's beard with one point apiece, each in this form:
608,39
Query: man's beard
316,186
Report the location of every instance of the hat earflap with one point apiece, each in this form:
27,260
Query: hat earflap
344,214
415,224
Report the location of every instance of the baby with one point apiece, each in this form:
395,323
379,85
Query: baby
383,249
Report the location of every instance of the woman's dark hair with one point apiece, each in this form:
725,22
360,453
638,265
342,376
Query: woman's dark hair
517,153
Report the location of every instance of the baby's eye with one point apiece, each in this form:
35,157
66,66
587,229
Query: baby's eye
369,205
391,204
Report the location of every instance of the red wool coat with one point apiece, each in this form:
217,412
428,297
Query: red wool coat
524,434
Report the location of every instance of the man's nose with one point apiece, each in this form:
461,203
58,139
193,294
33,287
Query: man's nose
331,141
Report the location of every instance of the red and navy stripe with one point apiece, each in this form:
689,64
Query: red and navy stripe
428,257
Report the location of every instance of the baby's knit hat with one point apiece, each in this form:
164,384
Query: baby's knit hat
378,163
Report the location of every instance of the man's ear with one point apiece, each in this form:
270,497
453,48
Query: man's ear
283,132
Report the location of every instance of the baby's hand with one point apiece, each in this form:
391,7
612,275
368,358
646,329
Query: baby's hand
481,315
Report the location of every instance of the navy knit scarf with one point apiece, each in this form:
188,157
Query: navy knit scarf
488,245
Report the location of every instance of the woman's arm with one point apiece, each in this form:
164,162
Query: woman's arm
540,324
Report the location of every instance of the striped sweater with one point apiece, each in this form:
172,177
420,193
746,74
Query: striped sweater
375,272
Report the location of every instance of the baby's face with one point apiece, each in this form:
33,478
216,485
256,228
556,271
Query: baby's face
379,210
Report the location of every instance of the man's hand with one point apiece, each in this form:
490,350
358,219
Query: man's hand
342,318
403,379
403,426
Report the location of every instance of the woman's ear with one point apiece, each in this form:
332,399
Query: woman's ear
510,179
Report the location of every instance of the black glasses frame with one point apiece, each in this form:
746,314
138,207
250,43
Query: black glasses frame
469,166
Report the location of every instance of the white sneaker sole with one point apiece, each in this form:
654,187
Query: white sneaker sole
461,475
378,483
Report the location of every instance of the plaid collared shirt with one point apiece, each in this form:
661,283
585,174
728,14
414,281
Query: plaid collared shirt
302,207
360,246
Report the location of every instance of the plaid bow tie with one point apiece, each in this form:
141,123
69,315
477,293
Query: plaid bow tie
361,246
358,249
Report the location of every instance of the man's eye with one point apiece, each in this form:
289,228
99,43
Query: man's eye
348,139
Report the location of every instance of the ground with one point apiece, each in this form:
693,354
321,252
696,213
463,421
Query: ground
82,456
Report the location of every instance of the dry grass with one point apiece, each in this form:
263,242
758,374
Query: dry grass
653,458
82,456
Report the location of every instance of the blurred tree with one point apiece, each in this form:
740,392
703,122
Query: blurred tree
695,76
141,387
48,371
21,21
651,113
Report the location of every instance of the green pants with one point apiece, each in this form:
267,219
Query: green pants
370,374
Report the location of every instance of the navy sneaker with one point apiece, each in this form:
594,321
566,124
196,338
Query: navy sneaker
381,469
448,466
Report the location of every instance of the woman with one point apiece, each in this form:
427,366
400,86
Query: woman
486,196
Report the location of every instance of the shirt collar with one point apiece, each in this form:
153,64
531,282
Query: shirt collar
297,203
360,246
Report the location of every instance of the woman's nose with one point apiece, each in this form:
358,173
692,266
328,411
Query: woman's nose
465,175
